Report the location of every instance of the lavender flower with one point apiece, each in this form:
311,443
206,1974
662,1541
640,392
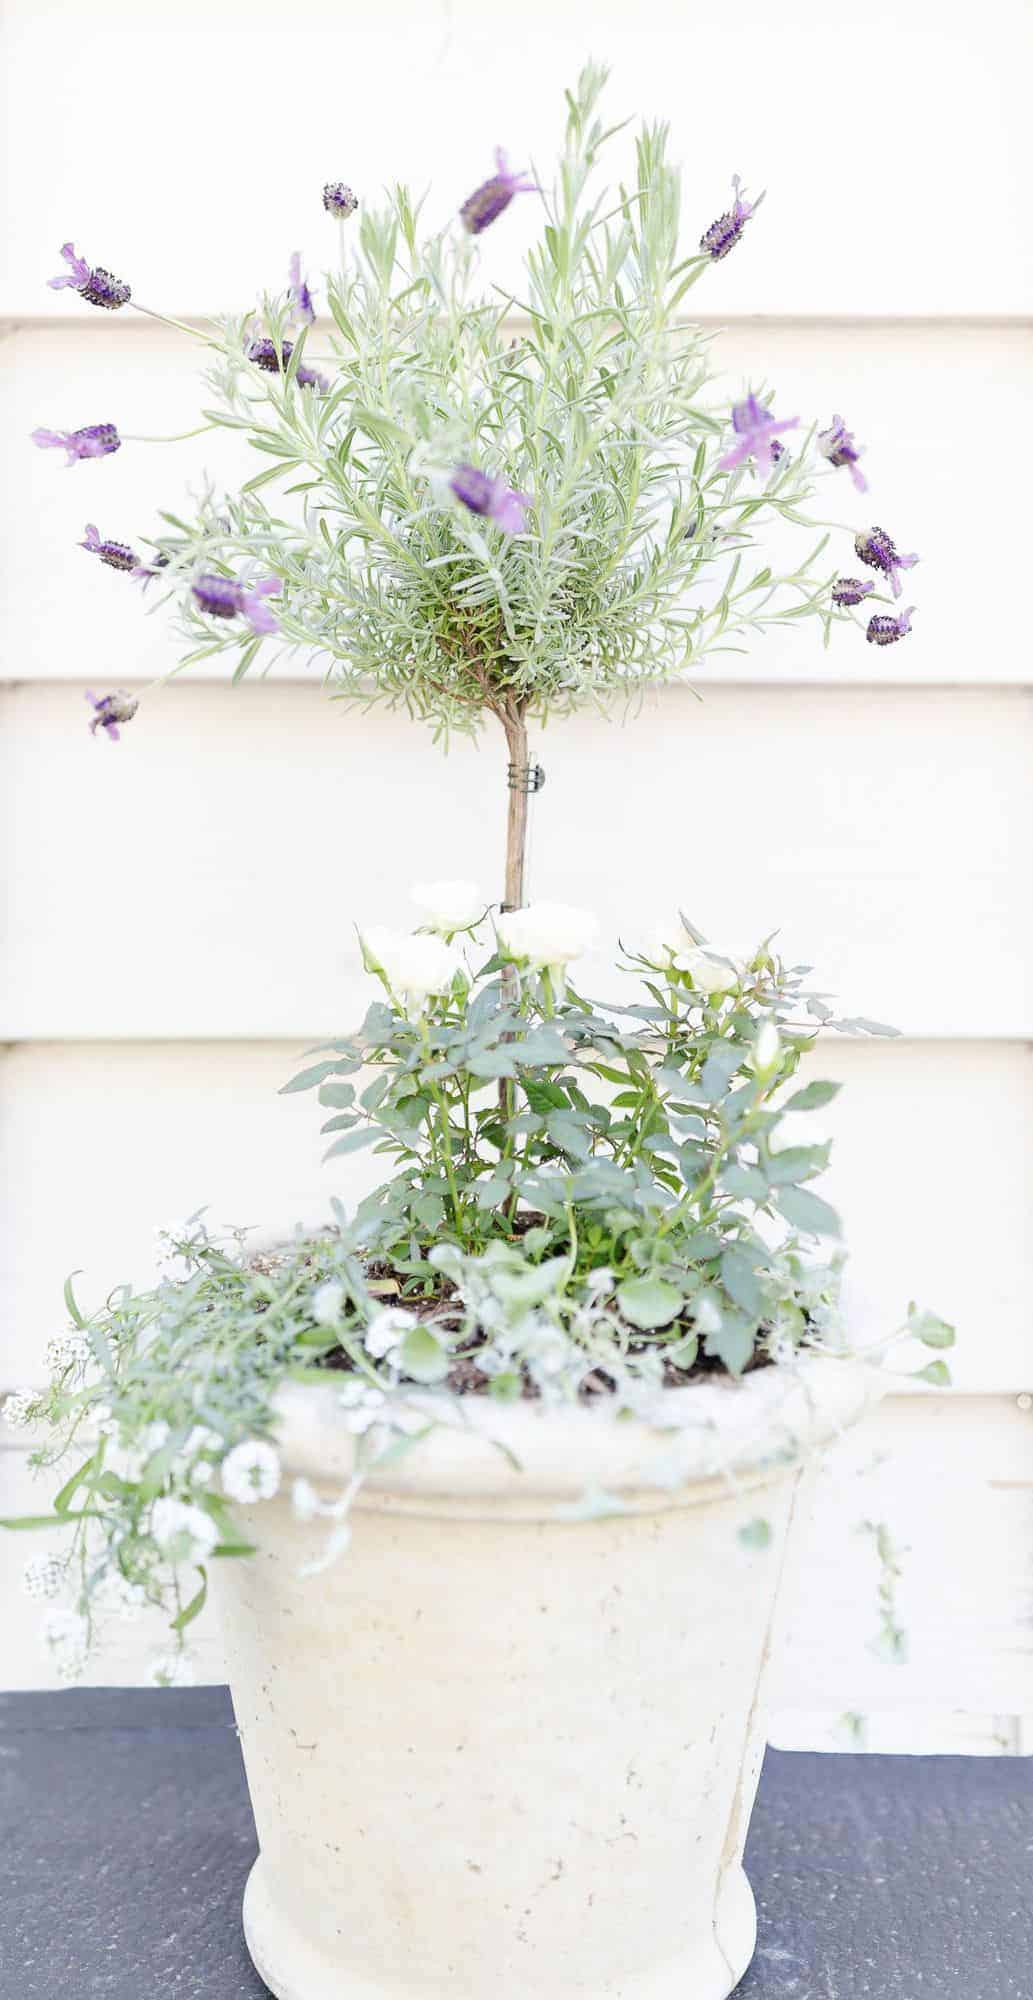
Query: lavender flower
111,709
837,445
484,495
885,631
95,441
300,294
117,555
724,234
273,360
487,202
756,429
851,590
225,597
876,549
96,286
339,200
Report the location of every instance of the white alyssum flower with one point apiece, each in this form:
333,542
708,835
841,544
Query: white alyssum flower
767,1048
20,1408
414,965
70,1349
202,1472
326,1302
251,1471
116,1594
43,1576
387,1330
183,1532
449,906
154,1437
363,1406
546,934
66,1633
201,1438
171,1670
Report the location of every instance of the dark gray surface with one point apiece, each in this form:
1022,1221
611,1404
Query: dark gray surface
127,1835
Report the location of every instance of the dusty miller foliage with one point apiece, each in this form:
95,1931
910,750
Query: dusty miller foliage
587,391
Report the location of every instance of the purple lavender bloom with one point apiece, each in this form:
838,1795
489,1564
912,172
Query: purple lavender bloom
885,631
851,590
756,430
97,286
339,200
95,441
876,549
487,202
117,555
492,497
224,597
111,709
300,294
837,445
724,234
266,355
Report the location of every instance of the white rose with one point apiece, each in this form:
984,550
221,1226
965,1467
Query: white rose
449,906
413,964
547,934
674,943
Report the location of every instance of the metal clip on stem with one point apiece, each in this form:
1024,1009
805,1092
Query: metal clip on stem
525,778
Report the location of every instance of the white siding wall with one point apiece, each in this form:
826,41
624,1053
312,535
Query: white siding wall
179,910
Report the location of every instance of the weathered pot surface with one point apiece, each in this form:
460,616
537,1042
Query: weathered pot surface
508,1744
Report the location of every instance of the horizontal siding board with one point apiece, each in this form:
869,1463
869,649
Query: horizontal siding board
203,877
67,617
99,1143
965,1597
442,83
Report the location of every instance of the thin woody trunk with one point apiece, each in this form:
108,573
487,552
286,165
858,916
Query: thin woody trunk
512,720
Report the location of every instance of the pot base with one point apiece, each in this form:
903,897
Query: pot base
294,1969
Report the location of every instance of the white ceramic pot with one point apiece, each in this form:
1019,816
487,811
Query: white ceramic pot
502,1750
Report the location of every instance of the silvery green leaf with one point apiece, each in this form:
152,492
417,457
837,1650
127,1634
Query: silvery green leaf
813,1096
930,1329
808,1211
649,1302
739,1278
423,1356
756,1534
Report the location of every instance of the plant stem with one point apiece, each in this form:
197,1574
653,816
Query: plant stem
512,720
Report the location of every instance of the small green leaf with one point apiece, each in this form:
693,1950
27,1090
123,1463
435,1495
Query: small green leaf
808,1211
936,1372
353,1142
422,1356
756,1534
813,1096
73,1310
930,1329
739,1280
196,1604
307,1078
337,1096
649,1302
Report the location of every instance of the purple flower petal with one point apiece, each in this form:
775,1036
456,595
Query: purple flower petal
837,445
488,201
110,710
724,234
756,430
884,630
94,441
339,200
491,498
98,286
300,294
876,548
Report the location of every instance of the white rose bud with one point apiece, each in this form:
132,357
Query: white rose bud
766,1049
414,965
546,934
449,906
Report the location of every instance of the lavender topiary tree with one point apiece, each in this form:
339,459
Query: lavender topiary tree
493,505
